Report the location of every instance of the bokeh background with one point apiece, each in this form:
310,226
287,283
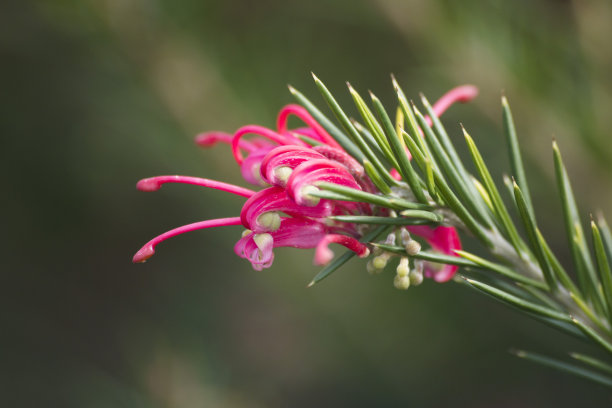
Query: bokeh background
96,94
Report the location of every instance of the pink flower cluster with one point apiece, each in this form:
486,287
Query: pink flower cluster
287,213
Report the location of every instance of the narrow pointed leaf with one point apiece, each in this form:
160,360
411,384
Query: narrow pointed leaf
327,124
605,234
410,217
453,202
352,194
375,177
587,276
502,270
567,367
405,168
370,121
498,204
516,161
604,269
593,362
471,201
352,132
530,226
598,338
518,302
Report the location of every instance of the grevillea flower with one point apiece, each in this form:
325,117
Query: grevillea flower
288,211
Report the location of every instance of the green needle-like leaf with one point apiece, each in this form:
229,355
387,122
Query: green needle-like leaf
558,270
409,217
498,204
502,270
587,276
606,235
376,177
604,269
453,202
351,194
405,168
598,338
375,129
469,199
327,124
564,366
518,302
593,362
384,156
428,256
531,228
516,161
344,258
353,133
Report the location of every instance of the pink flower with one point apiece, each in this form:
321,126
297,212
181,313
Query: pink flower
287,213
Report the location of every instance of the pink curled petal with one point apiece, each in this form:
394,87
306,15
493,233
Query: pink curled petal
299,233
251,166
260,255
148,249
323,255
444,274
303,114
442,239
155,183
276,199
264,132
285,156
342,157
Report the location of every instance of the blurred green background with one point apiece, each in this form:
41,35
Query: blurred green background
96,94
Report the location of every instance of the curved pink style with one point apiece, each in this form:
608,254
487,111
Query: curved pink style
148,249
303,114
155,183
264,132
323,255
462,94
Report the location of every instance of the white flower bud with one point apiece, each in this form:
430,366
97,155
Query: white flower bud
403,269
401,282
412,247
380,261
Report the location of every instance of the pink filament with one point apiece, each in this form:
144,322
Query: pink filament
323,255
264,132
155,183
303,114
148,249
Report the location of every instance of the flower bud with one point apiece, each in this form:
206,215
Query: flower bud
416,275
403,269
412,247
380,261
401,282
